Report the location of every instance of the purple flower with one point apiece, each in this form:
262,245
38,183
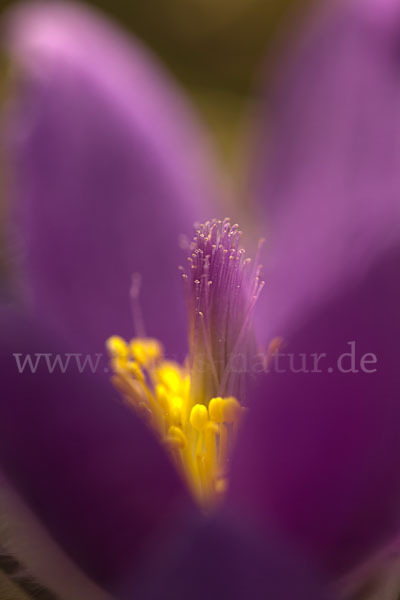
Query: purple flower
107,169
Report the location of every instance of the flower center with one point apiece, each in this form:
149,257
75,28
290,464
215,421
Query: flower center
194,409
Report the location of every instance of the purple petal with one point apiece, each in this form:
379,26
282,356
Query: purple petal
108,168
88,468
320,453
381,14
219,559
330,187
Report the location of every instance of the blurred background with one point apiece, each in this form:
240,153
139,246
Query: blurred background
215,48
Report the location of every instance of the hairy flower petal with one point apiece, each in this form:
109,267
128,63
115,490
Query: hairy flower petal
329,185
107,169
89,469
219,558
320,453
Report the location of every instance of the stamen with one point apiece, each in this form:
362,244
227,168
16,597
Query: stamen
198,438
193,409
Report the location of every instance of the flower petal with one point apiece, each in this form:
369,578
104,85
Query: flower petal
88,468
330,186
108,169
383,15
219,558
320,453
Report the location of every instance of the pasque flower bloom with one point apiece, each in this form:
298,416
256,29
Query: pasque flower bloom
106,171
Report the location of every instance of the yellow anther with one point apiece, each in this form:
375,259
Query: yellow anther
119,364
215,408
199,417
176,437
175,408
171,377
162,396
198,438
212,428
146,350
134,369
117,347
231,410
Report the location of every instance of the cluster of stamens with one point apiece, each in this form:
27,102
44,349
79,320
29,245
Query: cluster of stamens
198,437
193,409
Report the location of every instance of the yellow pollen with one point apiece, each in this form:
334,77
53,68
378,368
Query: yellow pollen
231,410
199,438
199,417
170,375
117,347
146,350
216,409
